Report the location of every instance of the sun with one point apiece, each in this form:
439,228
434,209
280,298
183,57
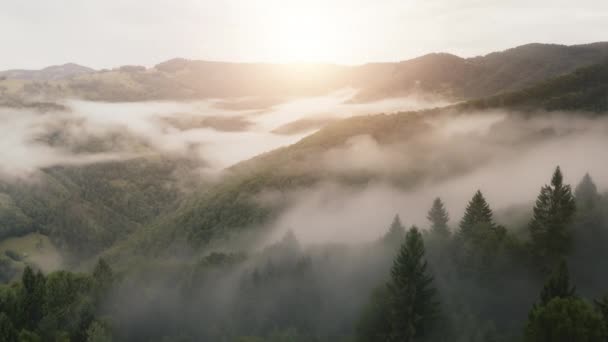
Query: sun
305,35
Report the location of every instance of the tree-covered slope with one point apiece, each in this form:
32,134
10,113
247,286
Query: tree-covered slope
586,89
85,209
232,203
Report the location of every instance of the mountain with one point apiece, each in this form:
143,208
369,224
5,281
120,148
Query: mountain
442,74
483,76
585,89
51,73
230,207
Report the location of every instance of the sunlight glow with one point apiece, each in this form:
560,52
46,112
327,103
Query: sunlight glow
305,34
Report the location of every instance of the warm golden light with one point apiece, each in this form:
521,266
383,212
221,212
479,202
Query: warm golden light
305,34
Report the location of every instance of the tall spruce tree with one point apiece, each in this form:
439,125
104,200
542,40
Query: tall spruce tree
477,215
413,299
553,213
438,216
586,194
477,211
396,232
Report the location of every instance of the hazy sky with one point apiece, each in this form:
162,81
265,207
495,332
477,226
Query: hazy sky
107,33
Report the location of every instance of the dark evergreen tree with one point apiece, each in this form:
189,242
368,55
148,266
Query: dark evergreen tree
586,194
550,225
438,216
396,232
480,238
558,285
413,299
477,214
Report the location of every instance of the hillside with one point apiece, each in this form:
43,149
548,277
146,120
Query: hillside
449,76
232,205
86,209
586,89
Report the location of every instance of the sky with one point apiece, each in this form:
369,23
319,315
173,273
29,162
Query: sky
109,33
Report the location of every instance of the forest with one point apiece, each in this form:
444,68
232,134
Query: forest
470,280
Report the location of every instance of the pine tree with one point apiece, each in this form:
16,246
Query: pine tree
553,213
396,232
439,218
558,285
477,214
412,297
586,194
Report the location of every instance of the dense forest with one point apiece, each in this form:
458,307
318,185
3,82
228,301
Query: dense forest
471,280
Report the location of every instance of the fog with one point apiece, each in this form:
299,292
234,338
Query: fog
93,132
508,158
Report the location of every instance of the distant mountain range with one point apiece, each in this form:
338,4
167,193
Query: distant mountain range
52,73
441,74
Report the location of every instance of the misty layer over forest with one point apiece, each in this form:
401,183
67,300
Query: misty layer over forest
427,200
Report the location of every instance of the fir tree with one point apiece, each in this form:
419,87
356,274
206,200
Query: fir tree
439,218
586,194
558,285
553,212
413,299
477,214
396,232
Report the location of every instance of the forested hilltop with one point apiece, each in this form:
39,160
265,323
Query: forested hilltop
472,279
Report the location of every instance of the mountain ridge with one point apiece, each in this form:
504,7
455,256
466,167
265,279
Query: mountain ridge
442,74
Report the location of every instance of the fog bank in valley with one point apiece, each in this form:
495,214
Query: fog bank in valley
506,155
92,132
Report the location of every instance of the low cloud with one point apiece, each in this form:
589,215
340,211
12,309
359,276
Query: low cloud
217,135
505,155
